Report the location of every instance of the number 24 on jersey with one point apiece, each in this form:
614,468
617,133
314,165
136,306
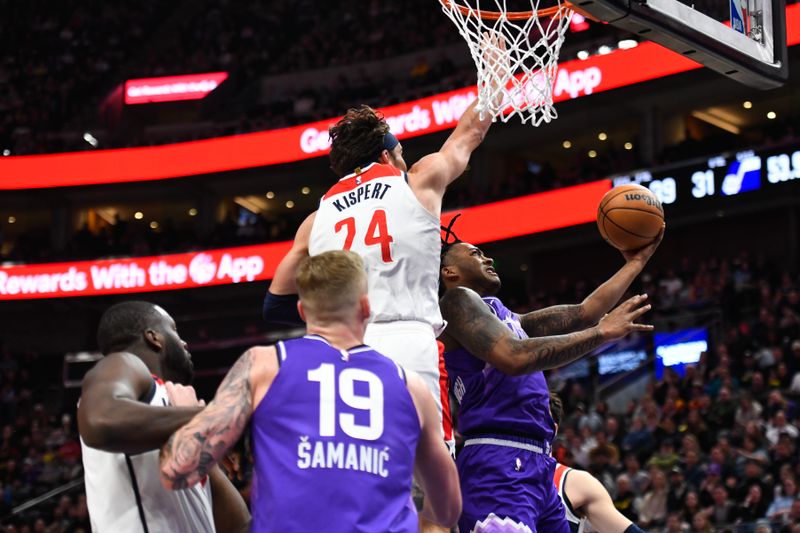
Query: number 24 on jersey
377,233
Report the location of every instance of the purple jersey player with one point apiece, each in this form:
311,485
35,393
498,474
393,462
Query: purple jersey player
495,360
338,429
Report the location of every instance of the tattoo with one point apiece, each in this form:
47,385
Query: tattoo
554,320
556,351
191,452
476,328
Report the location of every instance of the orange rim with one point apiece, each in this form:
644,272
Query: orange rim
511,15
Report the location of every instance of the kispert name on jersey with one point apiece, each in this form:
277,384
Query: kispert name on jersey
368,191
376,214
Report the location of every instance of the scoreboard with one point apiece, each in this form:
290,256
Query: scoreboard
728,174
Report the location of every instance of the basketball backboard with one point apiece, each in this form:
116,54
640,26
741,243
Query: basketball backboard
752,50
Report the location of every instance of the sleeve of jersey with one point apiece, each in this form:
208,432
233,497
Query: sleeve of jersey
281,309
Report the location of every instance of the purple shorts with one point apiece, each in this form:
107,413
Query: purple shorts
506,486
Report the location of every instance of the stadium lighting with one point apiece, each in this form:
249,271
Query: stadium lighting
747,104
626,44
192,212
567,145
6,152
305,190
289,204
583,55
592,154
11,220
602,136
138,215
628,146
604,50
154,225
91,139
270,195
772,115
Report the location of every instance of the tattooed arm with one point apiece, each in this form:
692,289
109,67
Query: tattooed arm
566,318
476,328
193,450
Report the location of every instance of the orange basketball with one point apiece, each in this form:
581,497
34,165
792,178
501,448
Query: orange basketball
630,217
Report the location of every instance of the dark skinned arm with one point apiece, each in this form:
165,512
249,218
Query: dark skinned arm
476,328
111,417
230,511
560,319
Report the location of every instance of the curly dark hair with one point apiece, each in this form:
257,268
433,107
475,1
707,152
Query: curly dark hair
357,139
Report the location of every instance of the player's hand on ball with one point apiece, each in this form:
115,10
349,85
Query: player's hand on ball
182,395
643,255
622,320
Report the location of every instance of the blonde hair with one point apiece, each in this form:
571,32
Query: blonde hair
330,283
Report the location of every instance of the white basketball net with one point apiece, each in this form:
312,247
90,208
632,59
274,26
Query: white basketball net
531,48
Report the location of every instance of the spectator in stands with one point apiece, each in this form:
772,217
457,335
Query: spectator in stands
722,511
779,425
653,509
754,505
781,506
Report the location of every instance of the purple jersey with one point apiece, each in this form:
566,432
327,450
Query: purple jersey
493,402
334,441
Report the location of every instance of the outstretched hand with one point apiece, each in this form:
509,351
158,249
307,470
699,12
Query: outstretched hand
644,254
622,320
495,59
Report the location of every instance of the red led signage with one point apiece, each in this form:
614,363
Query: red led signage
172,88
574,79
530,214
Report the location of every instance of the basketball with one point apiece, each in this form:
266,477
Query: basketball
630,217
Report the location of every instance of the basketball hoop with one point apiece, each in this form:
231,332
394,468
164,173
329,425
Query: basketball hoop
516,55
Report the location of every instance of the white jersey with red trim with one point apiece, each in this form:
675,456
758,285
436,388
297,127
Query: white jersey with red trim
576,524
376,214
124,493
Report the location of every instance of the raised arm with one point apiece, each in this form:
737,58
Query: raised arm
588,494
190,453
432,174
433,466
283,280
476,328
111,416
568,318
280,302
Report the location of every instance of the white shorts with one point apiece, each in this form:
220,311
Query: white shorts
413,346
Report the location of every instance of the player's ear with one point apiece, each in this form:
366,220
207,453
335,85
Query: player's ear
384,158
153,339
300,310
365,307
450,273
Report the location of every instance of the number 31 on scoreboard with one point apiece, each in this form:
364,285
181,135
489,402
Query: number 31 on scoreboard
377,233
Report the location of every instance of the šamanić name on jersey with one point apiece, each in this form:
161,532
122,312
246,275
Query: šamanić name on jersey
342,456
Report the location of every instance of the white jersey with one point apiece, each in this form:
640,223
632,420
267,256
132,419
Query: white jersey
576,524
376,214
125,495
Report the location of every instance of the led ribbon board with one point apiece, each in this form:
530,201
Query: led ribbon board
172,88
531,214
575,79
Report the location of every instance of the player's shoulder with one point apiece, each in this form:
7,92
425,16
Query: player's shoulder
458,299
121,362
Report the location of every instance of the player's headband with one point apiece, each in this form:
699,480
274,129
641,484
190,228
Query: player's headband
390,141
